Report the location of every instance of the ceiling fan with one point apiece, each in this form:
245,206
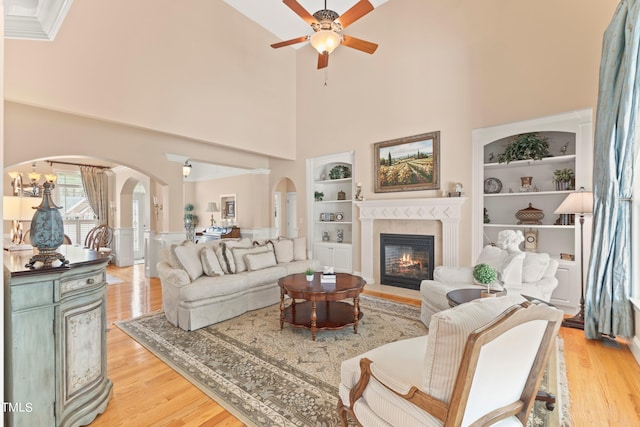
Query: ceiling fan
327,26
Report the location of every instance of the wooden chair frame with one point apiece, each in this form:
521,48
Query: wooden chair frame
99,237
452,414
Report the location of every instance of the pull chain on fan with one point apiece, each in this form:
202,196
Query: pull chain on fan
327,26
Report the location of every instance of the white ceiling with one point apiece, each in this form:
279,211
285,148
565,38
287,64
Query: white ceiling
282,21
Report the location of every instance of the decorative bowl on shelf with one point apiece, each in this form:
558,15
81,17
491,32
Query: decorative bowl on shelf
530,215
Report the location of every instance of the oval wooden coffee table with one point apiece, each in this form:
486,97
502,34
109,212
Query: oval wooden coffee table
323,307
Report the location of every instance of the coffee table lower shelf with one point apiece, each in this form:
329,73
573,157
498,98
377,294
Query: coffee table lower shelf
329,315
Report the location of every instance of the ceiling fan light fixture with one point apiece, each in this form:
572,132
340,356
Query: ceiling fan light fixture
325,41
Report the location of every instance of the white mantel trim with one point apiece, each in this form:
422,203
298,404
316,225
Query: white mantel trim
447,210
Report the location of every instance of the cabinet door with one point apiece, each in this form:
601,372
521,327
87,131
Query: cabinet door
30,381
566,295
324,254
83,355
342,259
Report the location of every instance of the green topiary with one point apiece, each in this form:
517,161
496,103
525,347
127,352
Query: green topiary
485,274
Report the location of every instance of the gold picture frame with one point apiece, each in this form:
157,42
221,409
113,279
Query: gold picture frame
408,164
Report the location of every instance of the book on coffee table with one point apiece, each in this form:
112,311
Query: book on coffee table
328,278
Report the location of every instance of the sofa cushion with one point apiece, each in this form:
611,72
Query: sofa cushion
534,266
448,333
226,256
240,253
211,287
187,257
284,250
210,262
259,261
299,248
269,275
507,264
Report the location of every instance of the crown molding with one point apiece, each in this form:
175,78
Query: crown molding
34,19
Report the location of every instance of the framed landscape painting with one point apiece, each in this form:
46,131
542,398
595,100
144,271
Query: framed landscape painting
408,164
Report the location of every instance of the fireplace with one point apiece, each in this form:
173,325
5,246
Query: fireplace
406,259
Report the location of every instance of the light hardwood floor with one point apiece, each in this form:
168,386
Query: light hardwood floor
604,378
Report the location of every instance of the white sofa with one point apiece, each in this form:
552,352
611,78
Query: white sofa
209,282
525,273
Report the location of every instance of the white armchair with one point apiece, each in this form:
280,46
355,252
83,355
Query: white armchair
525,273
481,364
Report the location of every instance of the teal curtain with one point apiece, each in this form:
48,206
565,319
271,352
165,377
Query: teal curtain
607,306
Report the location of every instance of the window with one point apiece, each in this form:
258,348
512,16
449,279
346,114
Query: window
77,215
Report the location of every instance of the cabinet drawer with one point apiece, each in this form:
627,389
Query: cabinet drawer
31,295
78,282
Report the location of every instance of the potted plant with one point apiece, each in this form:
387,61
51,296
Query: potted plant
484,274
190,221
526,146
318,195
564,179
309,273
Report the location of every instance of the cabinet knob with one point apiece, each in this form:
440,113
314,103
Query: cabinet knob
91,281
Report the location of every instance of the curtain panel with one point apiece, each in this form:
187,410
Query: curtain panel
95,182
608,309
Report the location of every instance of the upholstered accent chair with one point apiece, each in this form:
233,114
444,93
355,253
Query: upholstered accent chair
525,273
481,364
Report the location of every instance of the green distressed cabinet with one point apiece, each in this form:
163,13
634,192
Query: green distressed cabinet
55,340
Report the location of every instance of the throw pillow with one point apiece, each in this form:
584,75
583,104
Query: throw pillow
283,250
227,255
260,260
210,263
493,256
240,253
534,266
222,260
300,248
448,333
188,258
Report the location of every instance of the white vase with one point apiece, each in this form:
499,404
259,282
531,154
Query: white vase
309,277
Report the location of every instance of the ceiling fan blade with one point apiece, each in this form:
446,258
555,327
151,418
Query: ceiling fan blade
359,44
290,42
356,12
300,11
323,60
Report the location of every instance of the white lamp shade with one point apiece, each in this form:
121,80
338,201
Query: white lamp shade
19,208
580,202
325,41
186,169
212,207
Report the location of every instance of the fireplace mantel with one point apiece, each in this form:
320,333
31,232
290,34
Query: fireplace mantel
444,209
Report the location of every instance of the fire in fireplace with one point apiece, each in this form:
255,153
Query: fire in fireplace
406,259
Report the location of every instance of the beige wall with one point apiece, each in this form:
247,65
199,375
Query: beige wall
195,68
447,66
252,199
34,133
441,65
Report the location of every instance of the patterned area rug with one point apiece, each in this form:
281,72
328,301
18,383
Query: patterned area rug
271,377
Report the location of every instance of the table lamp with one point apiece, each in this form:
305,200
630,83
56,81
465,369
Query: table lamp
578,203
212,207
17,209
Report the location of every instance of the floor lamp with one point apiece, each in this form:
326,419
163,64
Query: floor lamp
578,203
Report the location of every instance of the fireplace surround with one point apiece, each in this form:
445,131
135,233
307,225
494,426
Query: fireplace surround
447,210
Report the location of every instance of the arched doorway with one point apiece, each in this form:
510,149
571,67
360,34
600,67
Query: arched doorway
285,209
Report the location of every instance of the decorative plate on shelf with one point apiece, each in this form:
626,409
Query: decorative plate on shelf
492,185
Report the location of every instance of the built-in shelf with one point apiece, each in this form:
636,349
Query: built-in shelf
337,251
568,158
528,193
569,136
